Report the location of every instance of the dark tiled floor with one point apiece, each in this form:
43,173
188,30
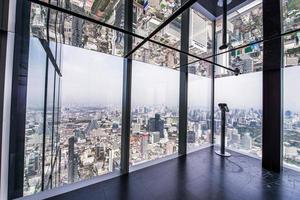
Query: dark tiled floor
200,175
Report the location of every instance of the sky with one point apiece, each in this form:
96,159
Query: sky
93,78
243,91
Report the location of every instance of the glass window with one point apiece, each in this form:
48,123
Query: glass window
201,35
33,152
243,95
199,112
154,126
90,121
291,120
170,34
244,26
200,44
148,14
291,15
157,55
75,31
291,135
107,11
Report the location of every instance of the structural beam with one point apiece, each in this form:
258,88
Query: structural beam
45,46
183,87
272,87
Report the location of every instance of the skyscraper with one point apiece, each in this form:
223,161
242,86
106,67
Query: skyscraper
72,164
191,137
154,137
144,145
156,124
246,141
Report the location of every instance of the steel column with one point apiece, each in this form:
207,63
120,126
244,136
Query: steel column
272,87
126,100
183,87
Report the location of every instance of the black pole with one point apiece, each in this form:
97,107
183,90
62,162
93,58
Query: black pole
224,45
223,120
223,107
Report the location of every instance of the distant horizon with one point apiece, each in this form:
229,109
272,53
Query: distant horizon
100,81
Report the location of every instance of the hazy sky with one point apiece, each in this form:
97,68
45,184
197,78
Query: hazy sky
243,91
93,78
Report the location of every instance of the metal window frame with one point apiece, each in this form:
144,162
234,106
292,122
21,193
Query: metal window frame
18,100
4,7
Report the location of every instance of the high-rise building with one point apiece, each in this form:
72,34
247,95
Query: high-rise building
144,139
154,137
72,161
156,124
235,138
246,141
191,137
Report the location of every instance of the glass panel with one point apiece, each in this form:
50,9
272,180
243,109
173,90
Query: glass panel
34,118
244,27
49,130
154,127
76,32
201,35
246,61
291,128
199,112
170,34
291,14
148,14
90,127
157,55
107,11
243,95
200,68
291,134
